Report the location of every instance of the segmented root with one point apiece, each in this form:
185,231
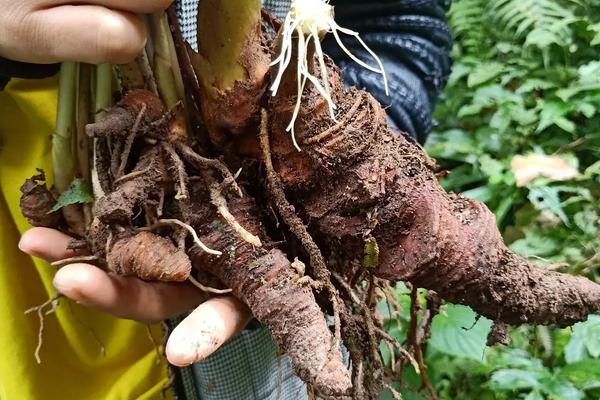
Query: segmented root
297,227
340,125
207,289
149,257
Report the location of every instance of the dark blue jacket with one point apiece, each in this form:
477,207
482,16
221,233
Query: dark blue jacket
413,40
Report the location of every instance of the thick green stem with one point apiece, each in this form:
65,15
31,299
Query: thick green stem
220,47
103,90
63,156
165,61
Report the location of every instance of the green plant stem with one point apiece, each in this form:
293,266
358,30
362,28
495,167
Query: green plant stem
217,63
103,90
63,157
165,61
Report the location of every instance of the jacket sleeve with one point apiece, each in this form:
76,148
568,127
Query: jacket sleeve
413,40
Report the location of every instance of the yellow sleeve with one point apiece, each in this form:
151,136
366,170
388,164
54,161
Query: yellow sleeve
73,365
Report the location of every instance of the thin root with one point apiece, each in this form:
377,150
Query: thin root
203,163
207,289
218,200
129,142
73,260
395,394
415,344
182,177
155,344
389,339
53,303
192,231
131,176
369,323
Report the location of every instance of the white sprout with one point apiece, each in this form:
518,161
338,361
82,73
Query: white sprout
310,20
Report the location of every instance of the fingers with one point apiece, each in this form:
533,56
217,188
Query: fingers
209,326
206,329
134,6
84,33
92,31
91,34
46,243
126,297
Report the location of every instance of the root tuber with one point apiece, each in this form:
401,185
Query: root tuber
362,204
375,183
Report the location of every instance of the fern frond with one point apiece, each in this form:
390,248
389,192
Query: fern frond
535,23
466,18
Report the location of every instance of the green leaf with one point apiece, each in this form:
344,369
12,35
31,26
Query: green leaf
534,395
454,144
484,72
455,332
585,337
561,389
459,71
535,84
553,112
583,374
515,379
78,193
469,109
535,244
547,198
592,341
596,29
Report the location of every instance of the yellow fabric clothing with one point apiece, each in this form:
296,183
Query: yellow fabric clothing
73,366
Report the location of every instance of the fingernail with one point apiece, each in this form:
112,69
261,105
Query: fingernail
23,245
60,286
185,350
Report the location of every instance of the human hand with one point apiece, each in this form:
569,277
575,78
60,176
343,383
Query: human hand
92,31
212,323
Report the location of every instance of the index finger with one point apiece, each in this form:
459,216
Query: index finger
134,6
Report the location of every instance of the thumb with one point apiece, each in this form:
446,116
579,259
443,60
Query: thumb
84,33
210,325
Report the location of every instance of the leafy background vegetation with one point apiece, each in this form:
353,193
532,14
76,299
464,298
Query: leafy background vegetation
526,79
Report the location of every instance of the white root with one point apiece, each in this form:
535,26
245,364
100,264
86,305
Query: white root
310,20
192,231
207,289
217,200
